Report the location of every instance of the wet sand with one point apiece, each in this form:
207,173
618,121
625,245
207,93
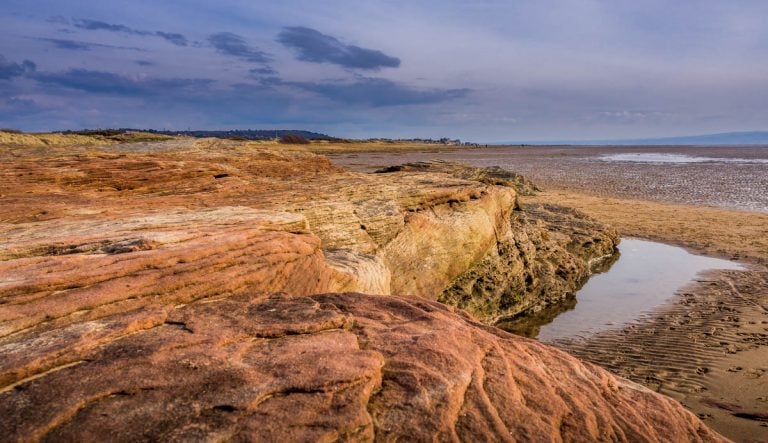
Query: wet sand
707,347
730,178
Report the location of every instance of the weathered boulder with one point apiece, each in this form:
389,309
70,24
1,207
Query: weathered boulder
322,368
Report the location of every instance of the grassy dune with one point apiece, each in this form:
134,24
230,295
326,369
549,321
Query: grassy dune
60,139
13,139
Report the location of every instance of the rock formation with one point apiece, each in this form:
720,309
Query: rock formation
540,255
134,297
324,368
196,208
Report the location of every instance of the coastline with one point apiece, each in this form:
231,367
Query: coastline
716,315
725,233
282,222
707,347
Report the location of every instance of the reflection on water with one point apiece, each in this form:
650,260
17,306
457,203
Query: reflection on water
530,325
646,276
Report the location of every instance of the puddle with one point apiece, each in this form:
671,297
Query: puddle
646,275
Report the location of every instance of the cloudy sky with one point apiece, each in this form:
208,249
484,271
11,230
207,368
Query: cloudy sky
485,70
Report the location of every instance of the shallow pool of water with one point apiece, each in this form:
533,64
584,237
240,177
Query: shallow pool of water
646,275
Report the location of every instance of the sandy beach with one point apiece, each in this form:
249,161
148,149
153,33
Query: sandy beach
724,177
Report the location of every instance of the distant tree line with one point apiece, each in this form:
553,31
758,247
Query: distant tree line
236,134
288,136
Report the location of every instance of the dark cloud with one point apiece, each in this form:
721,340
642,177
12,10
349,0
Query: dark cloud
234,45
96,25
176,39
68,44
10,69
100,82
76,45
144,63
378,92
314,46
12,107
264,70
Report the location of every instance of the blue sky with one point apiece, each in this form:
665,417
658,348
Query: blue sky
486,70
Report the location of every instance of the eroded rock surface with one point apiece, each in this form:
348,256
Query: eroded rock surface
547,253
321,368
134,302
180,220
540,254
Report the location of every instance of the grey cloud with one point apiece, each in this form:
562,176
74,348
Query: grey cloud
14,107
264,70
234,45
76,45
176,39
10,69
314,46
57,20
379,92
144,63
68,44
100,82
96,25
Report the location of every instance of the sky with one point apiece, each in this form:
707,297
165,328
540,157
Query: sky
484,71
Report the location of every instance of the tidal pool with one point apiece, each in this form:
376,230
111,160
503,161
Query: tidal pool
646,275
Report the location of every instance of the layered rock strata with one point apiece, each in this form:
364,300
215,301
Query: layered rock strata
192,212
135,286
541,254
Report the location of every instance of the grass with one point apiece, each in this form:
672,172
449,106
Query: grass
94,138
56,139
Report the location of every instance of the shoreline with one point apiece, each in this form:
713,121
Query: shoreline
737,234
155,271
708,346
702,230
274,213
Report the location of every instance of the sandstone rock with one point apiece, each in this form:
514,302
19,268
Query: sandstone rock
542,258
134,303
325,367
189,208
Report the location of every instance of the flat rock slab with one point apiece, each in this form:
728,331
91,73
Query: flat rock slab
324,368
